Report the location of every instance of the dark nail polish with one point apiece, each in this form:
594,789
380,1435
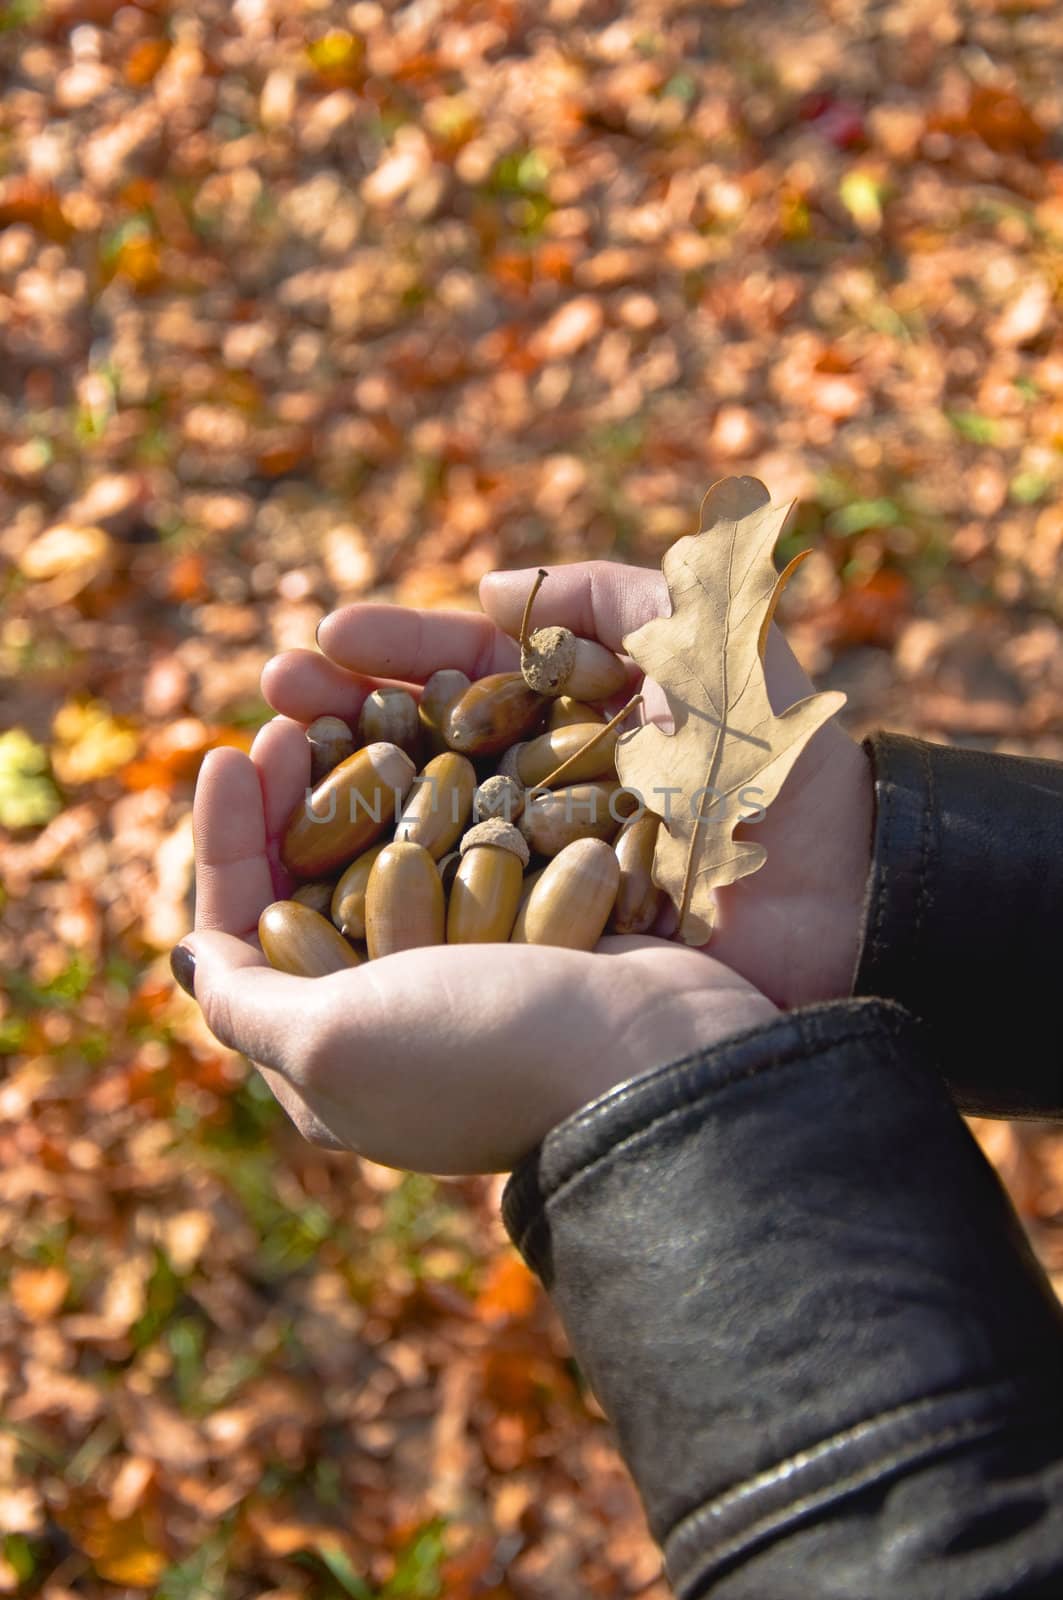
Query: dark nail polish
183,967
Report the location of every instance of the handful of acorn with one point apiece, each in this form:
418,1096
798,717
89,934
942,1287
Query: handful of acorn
520,775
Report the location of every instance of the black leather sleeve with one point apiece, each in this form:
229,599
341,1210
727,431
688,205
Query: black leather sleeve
963,921
798,1291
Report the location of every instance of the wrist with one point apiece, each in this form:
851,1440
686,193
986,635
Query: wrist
658,1004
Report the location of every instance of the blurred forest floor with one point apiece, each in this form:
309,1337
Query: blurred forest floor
307,301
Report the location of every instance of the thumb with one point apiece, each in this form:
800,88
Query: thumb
601,600
248,1005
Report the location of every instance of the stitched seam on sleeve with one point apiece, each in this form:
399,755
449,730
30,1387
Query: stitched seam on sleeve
799,1056
834,1442
858,1478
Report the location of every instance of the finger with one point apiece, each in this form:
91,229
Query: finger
248,1006
305,685
233,879
405,643
605,600
601,600
281,754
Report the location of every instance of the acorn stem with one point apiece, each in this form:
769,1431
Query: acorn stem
549,781
525,622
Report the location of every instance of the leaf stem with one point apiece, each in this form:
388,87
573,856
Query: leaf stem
597,739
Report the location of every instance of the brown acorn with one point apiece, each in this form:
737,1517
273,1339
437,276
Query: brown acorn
404,903
583,750
391,715
317,895
347,812
347,904
554,661
437,697
571,902
331,742
564,711
638,898
486,890
298,940
438,806
492,713
553,820
530,880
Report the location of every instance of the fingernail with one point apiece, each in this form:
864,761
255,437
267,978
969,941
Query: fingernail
317,633
183,967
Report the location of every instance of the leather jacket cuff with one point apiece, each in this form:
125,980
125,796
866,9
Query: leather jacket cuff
787,1272
964,912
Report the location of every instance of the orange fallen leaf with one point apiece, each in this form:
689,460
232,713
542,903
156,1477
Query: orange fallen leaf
187,577
144,61
871,612
282,1535
509,1292
38,1292
122,1551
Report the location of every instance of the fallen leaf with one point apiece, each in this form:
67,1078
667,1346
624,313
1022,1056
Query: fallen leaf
509,1293
28,797
38,1292
728,746
74,555
122,1551
21,1510
281,1535
869,612
157,1432
91,743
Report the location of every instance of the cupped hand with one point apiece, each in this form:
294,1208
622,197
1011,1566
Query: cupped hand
791,928
448,1060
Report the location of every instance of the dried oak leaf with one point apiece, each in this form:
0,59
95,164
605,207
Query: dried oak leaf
729,753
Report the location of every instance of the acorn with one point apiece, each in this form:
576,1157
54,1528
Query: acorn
579,811
347,903
498,797
638,899
331,741
571,902
404,903
492,713
486,890
564,711
439,804
530,880
437,697
554,661
347,811
317,895
570,755
301,941
392,715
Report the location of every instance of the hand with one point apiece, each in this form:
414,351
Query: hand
450,1060
793,927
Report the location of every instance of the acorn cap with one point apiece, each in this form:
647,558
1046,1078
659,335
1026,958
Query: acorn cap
508,766
548,660
500,796
503,835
